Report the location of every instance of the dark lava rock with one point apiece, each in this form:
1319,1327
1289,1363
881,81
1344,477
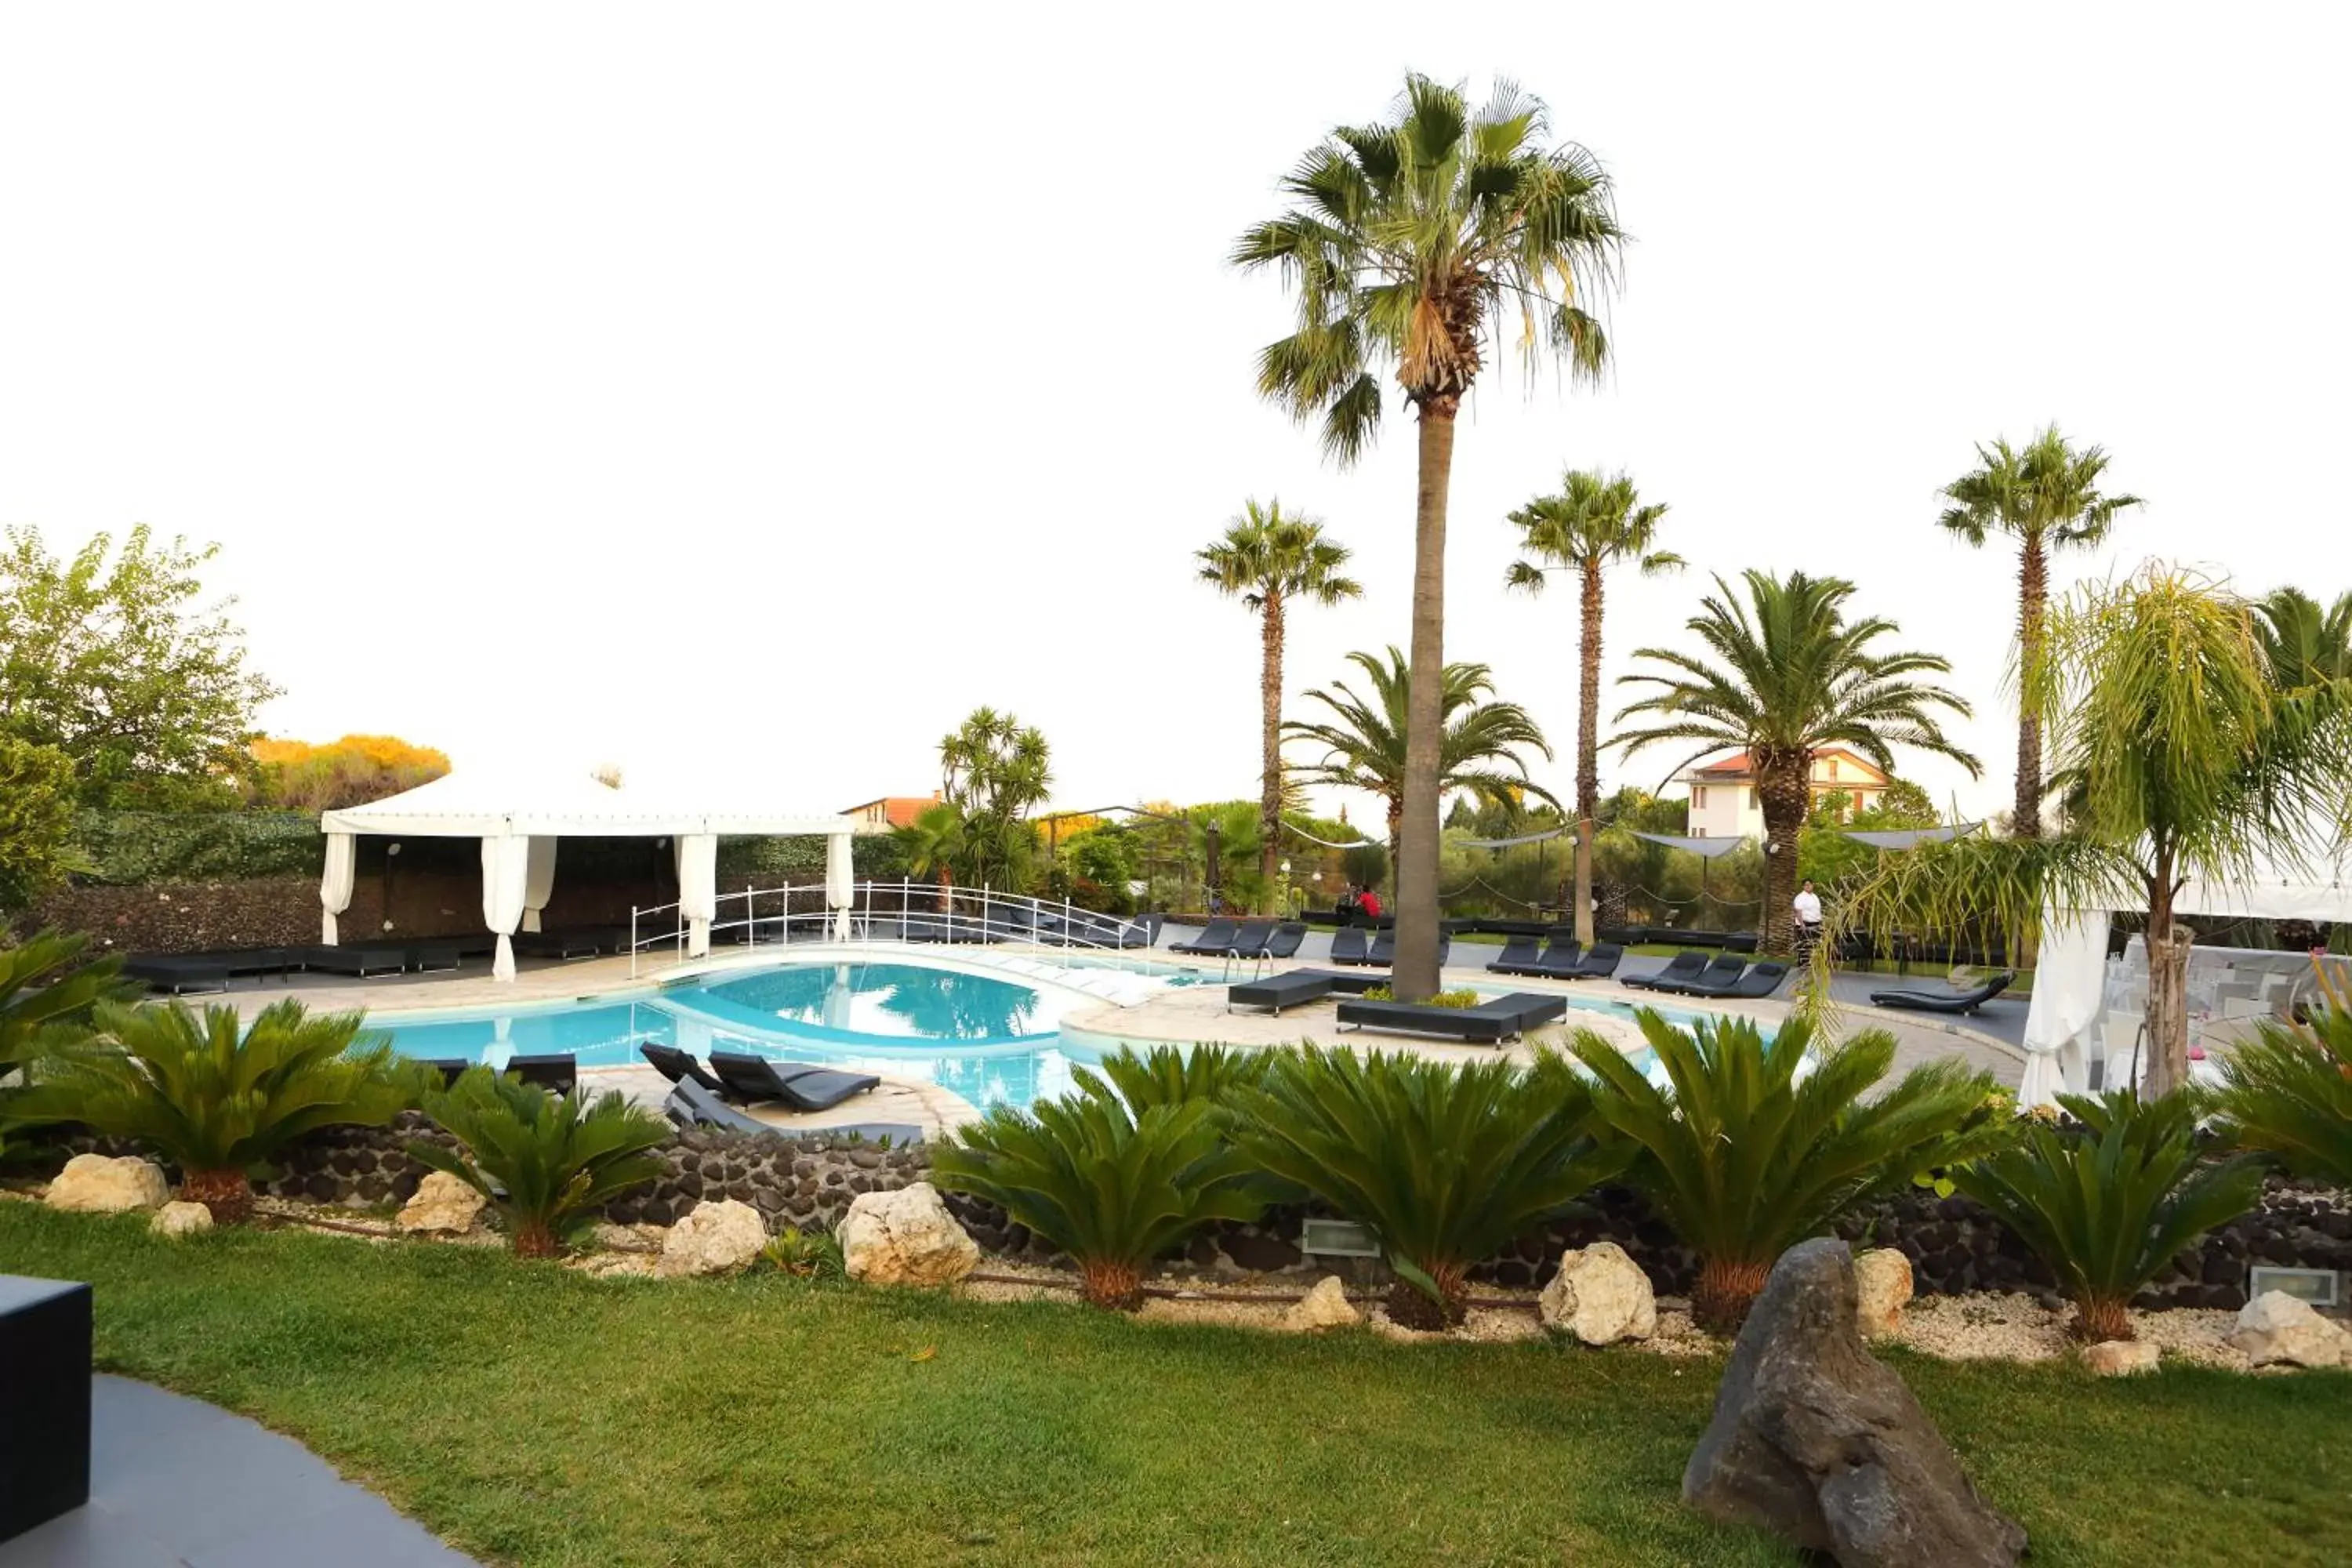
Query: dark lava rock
1261,1253
1816,1440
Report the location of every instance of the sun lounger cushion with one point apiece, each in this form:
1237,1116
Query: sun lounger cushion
1214,939
679,1067
1278,991
800,1085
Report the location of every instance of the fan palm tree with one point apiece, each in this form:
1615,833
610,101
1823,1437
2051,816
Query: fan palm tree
2047,498
1412,245
2307,642
1266,559
1793,676
1479,742
933,844
1593,522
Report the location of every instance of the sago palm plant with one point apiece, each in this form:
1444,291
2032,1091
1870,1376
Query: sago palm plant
1170,1075
215,1097
1745,1155
2108,1206
546,1162
46,994
1445,1164
1111,1187
2289,1092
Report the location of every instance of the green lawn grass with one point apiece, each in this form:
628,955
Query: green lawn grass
534,1416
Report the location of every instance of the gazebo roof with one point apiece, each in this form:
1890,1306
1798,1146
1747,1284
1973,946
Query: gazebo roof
480,804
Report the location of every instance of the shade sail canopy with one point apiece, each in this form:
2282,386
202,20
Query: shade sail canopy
1712,848
1911,838
476,804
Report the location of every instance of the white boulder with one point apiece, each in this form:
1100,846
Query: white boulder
443,1205
1882,1285
177,1219
97,1183
2121,1358
2275,1328
1599,1296
1324,1306
904,1237
720,1238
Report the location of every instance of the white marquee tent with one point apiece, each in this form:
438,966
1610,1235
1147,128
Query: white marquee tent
520,821
2069,972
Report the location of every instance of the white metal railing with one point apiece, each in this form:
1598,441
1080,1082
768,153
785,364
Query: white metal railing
905,910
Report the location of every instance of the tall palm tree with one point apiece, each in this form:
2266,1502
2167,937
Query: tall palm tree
2047,498
1593,522
1479,742
1266,559
1793,676
995,770
1409,243
2305,642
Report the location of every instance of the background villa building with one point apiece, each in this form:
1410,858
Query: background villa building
892,810
1722,803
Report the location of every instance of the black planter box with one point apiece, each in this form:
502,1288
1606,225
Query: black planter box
43,1401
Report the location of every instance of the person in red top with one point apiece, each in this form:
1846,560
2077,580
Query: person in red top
1369,903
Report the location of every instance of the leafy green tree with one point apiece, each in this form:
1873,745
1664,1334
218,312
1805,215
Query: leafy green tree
1268,561
1479,742
1444,1163
215,1097
2047,498
37,821
1828,859
1745,1153
2107,1207
2181,757
1412,245
1790,676
2306,643
1104,857
1111,1186
1592,523
994,770
110,658
546,1162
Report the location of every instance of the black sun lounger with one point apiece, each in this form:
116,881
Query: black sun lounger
1758,980
357,962
1718,976
554,943
1278,991
1348,945
555,1074
178,972
1215,939
1285,942
679,1067
1250,941
1557,962
1948,1000
1682,966
1598,963
1518,956
451,1069
797,1084
691,1105
1383,950
1489,1023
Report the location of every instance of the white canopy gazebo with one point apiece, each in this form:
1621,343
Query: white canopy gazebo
520,821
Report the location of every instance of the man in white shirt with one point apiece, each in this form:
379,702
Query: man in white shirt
1808,907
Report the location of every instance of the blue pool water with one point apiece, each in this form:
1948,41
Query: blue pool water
987,1039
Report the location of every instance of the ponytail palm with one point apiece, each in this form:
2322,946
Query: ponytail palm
1417,247
2108,1207
1788,675
547,1161
1479,742
1268,560
1112,1187
1445,1164
1593,521
214,1097
1744,1155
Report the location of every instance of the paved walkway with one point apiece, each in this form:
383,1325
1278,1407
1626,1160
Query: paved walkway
177,1483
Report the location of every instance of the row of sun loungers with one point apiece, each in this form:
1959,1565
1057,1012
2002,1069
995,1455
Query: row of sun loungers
1349,946
179,972
555,1074
1725,975
1246,938
701,1095
1562,958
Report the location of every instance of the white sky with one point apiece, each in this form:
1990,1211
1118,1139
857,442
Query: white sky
767,386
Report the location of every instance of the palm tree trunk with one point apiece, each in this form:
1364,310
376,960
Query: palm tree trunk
1269,804
227,1193
2167,984
1725,1289
1587,750
1414,974
2033,594
1114,1287
2102,1318
1781,782
536,1239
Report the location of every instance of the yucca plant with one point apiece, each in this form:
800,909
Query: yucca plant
214,1096
1744,1155
2108,1206
1445,1164
2289,1092
47,992
1111,1186
546,1162
1170,1075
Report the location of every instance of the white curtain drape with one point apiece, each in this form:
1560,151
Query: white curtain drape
840,882
335,885
506,872
539,880
697,888
2070,982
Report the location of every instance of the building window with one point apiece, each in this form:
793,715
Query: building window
1698,832
1698,797
1751,800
